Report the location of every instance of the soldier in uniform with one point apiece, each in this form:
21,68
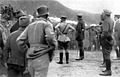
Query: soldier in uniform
63,28
14,57
80,28
117,35
41,37
107,41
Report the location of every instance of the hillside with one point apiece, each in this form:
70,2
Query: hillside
56,9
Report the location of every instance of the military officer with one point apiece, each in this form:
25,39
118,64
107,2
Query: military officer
63,28
80,28
107,41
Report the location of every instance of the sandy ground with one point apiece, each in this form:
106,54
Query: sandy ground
89,67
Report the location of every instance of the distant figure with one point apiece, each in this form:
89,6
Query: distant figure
117,35
80,28
107,41
41,37
63,29
14,57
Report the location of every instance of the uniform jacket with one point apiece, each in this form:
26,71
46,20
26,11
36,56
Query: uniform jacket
107,25
64,28
36,34
80,30
107,29
12,53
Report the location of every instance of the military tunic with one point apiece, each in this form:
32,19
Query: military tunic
80,28
14,56
37,33
107,40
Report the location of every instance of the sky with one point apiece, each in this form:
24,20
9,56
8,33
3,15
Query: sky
93,6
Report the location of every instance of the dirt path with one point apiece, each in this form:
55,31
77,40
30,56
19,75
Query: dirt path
89,67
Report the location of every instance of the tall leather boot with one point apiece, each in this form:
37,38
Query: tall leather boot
81,53
67,57
104,63
107,72
61,58
117,52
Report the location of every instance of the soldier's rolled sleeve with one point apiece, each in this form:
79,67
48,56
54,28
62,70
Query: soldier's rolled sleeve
50,34
21,40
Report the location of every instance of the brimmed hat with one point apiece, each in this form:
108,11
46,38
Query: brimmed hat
117,15
107,12
79,15
63,17
42,10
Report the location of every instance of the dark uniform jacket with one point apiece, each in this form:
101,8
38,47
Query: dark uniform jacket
12,53
80,30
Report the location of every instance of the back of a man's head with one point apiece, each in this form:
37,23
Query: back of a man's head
24,21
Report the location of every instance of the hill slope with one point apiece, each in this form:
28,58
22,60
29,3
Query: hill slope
56,9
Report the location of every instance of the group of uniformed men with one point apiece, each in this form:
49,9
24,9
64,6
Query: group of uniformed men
30,47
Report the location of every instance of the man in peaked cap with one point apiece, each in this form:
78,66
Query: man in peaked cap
38,53
80,28
63,29
14,57
107,41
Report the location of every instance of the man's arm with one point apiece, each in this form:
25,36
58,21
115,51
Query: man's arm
21,40
57,28
71,28
50,35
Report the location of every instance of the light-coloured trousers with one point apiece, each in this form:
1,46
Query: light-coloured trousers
39,67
